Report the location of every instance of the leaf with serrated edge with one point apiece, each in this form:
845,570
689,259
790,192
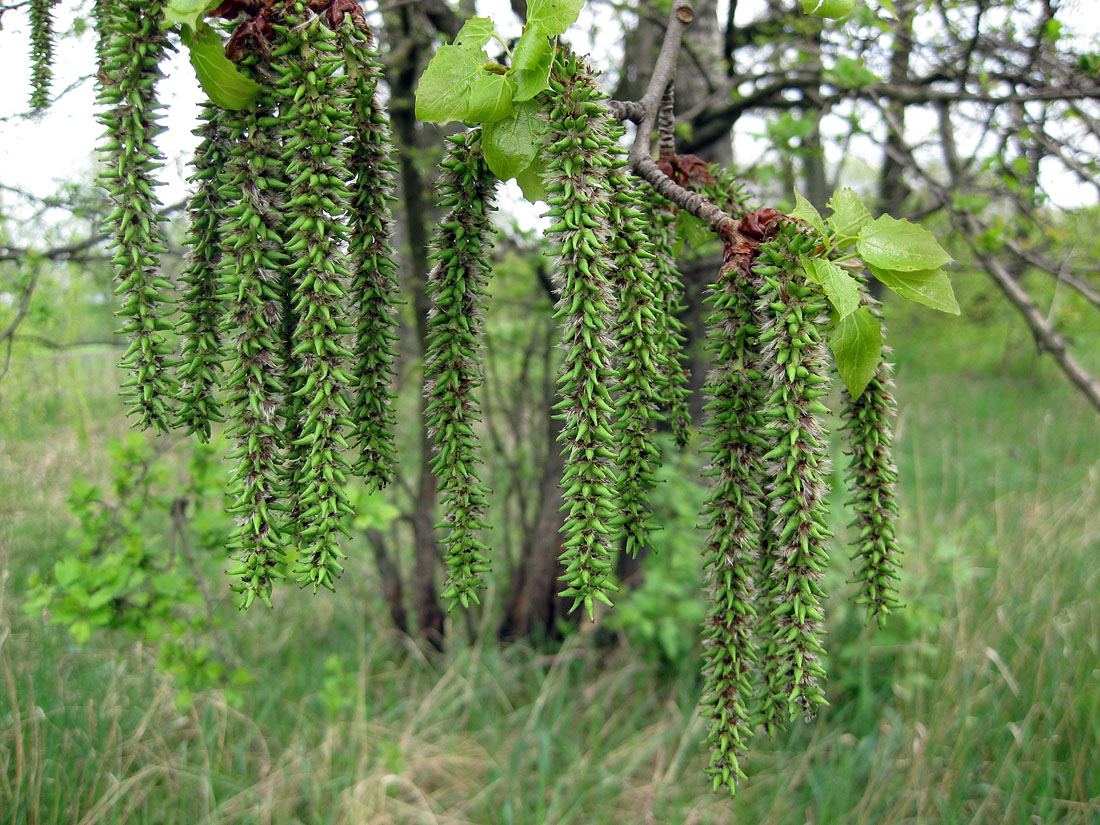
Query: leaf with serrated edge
443,93
490,97
849,213
223,83
930,287
806,211
856,342
510,145
840,288
554,15
900,246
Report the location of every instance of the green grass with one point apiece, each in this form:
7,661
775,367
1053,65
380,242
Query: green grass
978,704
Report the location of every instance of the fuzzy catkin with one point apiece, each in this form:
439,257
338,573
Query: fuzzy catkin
734,512
315,125
639,371
134,45
200,322
578,147
41,20
374,293
251,279
452,372
871,477
791,317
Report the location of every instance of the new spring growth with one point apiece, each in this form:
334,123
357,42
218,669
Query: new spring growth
579,163
452,371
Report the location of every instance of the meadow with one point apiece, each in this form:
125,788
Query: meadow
977,704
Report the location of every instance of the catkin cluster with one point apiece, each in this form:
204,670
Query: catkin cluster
286,308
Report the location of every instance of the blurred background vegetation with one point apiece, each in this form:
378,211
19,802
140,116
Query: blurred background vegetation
132,691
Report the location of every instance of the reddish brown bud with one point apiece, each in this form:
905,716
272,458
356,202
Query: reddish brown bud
761,224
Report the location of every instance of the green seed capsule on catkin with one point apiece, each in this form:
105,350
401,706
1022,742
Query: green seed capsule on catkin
135,44
871,477
668,307
371,259
734,511
586,312
794,554
41,20
452,375
252,281
309,82
639,396
201,311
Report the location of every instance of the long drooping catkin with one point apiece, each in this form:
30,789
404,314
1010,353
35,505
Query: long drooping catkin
315,125
133,46
871,477
371,259
579,158
792,316
734,512
452,373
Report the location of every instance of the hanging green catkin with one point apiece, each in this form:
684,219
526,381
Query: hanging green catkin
639,365
669,305
372,262
251,279
871,478
579,153
134,46
41,19
734,510
791,317
201,319
315,124
452,373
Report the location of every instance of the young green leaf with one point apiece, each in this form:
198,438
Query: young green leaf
840,288
490,97
555,16
510,145
850,214
900,246
223,83
930,287
531,62
856,343
443,93
806,211
188,12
